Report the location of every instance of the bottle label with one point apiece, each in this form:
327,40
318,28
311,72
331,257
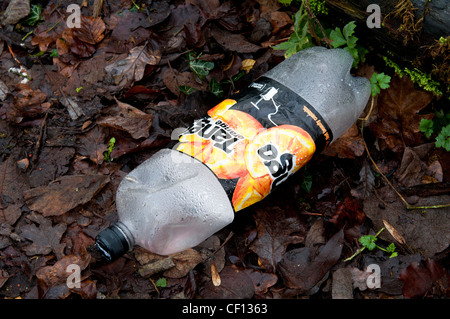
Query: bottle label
256,139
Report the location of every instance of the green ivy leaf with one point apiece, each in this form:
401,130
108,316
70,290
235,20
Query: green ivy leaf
215,88
186,89
199,67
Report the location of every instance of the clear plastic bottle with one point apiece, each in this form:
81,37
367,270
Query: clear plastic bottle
236,155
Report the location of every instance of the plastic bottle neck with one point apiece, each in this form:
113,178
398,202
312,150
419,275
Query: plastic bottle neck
114,241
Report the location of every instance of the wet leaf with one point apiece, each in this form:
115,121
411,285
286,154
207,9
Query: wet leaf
184,262
301,272
128,118
235,284
349,145
173,80
91,30
418,279
275,232
93,144
262,281
45,237
65,193
28,103
398,108
16,10
426,232
233,41
125,72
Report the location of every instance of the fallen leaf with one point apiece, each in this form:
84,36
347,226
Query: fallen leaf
28,103
349,145
301,273
184,261
215,277
235,284
398,122
46,238
52,163
262,281
366,183
348,212
93,144
412,168
233,41
425,232
173,80
418,279
128,118
125,72
91,30
52,280
16,10
397,236
64,194
275,232
10,214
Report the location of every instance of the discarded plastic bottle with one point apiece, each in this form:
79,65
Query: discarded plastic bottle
245,147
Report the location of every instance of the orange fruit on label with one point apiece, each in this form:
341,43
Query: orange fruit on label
279,151
221,107
250,190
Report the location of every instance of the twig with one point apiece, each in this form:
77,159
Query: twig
39,140
407,205
310,13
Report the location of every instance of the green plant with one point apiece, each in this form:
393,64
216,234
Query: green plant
198,66
300,39
420,78
35,15
369,242
379,81
107,154
161,282
347,40
440,125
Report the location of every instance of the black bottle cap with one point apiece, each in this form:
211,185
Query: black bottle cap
112,243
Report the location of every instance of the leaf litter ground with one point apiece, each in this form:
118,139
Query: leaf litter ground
124,74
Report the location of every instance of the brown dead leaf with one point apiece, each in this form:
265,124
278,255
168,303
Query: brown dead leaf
412,168
91,30
275,232
398,122
45,238
125,72
52,280
93,144
215,277
397,236
235,284
16,10
233,41
128,118
28,103
173,80
184,261
349,145
418,279
65,193
301,273
427,232
262,281
10,214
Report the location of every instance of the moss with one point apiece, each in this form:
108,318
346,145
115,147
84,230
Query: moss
421,78
317,6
